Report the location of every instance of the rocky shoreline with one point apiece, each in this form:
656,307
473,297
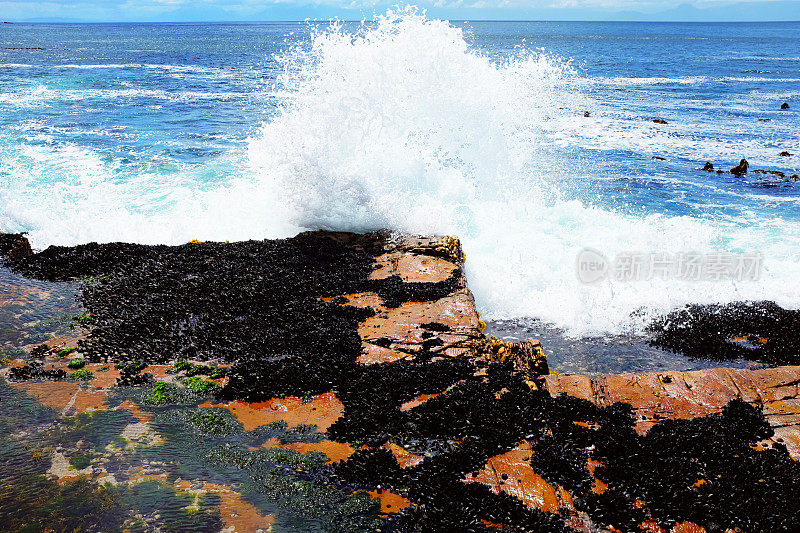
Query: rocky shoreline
343,382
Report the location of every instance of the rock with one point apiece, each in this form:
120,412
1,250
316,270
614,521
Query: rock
14,246
785,106
658,158
786,154
765,120
656,396
528,357
586,114
770,172
741,168
660,121
708,167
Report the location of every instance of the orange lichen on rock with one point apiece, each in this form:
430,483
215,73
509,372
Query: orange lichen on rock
390,502
322,410
696,393
511,473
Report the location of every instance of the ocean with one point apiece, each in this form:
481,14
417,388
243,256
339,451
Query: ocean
531,141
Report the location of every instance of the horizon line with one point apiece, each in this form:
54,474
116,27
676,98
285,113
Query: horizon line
331,19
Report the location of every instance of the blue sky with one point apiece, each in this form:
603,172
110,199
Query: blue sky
260,10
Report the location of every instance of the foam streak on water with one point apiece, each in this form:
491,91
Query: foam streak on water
404,124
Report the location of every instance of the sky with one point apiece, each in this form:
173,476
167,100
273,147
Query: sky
277,10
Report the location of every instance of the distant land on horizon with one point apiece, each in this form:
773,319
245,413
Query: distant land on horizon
753,11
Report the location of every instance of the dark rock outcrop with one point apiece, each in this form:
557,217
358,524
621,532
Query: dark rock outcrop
708,167
657,158
785,106
785,154
741,168
14,246
660,121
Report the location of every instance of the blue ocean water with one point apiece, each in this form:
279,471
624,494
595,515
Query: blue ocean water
168,132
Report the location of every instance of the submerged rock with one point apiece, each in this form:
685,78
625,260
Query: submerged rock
660,121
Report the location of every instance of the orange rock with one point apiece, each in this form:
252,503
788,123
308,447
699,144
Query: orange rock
335,451
404,457
390,502
419,400
402,326
687,527
323,410
511,473
373,354
138,412
55,394
89,401
696,393
236,514
412,268
104,379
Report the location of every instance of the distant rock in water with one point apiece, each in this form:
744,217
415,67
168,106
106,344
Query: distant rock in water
708,167
785,105
586,114
771,172
660,121
786,154
741,168
657,158
765,120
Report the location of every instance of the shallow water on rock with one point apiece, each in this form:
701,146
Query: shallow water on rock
601,355
34,311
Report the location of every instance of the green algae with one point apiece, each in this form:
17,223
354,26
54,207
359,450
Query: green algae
82,375
200,385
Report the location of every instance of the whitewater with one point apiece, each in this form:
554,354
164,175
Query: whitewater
421,126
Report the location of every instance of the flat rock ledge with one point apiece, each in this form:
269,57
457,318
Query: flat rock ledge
380,367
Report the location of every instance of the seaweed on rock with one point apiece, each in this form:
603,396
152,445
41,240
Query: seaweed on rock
259,305
757,331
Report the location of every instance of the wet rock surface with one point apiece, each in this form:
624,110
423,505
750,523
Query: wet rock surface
342,382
